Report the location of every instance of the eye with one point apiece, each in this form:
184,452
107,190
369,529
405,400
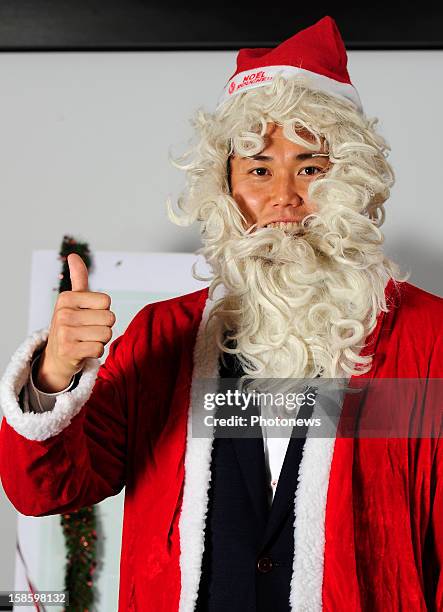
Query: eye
311,171
258,169
320,170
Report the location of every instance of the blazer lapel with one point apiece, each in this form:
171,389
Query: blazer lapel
250,455
247,443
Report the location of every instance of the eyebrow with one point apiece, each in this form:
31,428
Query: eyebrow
299,157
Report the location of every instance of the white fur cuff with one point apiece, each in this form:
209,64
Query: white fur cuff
41,426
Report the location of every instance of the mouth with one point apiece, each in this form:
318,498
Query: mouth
288,226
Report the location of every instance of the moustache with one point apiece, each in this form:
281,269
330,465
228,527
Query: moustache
283,241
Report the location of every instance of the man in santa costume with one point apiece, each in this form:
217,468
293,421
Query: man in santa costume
288,179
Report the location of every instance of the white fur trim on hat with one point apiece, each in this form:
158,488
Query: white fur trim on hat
258,77
41,426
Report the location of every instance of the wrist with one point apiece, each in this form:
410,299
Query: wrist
48,379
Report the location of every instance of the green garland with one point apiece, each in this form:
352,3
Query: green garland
80,539
79,528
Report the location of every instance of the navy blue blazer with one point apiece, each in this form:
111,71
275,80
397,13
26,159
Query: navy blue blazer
249,546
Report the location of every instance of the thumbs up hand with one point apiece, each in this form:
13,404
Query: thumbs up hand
81,326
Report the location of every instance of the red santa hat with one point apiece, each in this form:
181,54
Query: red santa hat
317,52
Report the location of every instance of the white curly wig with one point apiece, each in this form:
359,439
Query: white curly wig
294,307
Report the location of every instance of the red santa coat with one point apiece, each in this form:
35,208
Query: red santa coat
367,510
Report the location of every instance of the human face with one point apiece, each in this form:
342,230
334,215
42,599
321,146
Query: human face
273,185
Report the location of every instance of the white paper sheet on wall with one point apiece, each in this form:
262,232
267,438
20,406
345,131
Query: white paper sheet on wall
132,280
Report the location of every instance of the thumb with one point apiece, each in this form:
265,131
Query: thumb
78,273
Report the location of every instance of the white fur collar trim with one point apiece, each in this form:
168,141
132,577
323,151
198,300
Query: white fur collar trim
309,525
310,513
197,465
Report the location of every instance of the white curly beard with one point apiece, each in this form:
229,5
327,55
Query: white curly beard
301,302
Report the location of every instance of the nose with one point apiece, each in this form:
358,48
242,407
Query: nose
286,192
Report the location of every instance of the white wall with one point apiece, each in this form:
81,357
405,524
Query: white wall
84,143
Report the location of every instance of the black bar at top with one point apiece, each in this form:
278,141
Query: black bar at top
146,25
